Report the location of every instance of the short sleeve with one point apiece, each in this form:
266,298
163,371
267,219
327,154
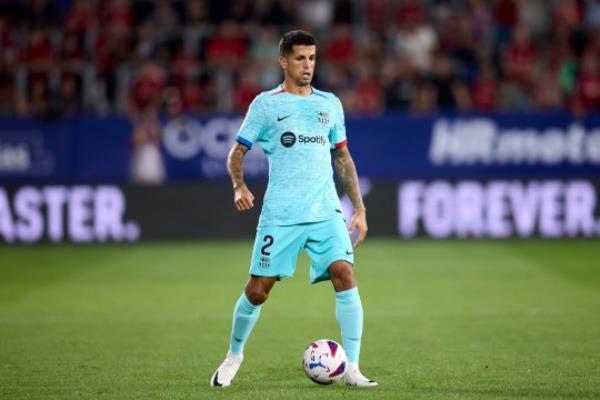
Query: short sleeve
252,126
337,134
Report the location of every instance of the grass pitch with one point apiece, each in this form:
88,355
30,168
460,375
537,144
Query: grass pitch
444,320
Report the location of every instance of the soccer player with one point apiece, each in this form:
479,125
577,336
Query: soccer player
299,128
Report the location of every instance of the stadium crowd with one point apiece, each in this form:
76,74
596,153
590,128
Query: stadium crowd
65,57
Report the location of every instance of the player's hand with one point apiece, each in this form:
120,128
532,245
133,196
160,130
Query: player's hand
243,199
359,223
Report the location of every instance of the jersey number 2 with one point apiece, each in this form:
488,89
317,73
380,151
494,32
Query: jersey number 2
268,239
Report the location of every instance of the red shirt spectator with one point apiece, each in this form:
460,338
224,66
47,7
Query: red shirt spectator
116,12
588,83
484,91
228,46
38,52
72,54
340,48
369,96
506,13
376,14
38,56
112,46
568,14
245,91
8,45
519,57
80,18
410,11
147,90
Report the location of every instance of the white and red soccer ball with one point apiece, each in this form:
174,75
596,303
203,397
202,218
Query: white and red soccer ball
324,361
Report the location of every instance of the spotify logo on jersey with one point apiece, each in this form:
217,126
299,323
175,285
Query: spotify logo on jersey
288,139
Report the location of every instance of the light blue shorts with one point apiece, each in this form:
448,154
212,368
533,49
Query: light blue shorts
277,248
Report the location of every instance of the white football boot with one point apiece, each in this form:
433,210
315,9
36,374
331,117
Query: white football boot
227,370
353,377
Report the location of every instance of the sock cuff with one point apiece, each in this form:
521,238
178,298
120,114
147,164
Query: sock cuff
246,304
348,295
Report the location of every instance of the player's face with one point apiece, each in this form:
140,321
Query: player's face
299,65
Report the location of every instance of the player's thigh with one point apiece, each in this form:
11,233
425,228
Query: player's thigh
276,250
328,242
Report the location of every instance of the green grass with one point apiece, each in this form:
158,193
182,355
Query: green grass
444,320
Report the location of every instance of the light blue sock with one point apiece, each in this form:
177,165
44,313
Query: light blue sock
245,315
349,314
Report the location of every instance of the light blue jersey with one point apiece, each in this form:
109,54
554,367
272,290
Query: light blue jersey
297,134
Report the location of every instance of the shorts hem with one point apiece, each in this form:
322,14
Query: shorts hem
325,274
278,277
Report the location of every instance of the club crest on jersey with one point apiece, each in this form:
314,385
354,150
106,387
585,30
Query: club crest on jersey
323,117
265,262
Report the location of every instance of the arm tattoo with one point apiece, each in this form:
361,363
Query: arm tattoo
346,170
235,164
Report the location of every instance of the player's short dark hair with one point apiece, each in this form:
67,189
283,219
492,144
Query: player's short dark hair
294,38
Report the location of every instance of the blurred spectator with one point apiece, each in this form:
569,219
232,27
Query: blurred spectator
343,12
451,92
70,102
147,90
316,14
400,82
81,18
72,55
145,42
568,14
163,19
425,99
592,14
8,58
142,10
111,47
535,15
265,52
480,20
40,13
506,16
547,93
116,12
369,93
519,58
485,89
245,90
38,59
340,48
588,84
376,15
414,37
147,164
273,12
228,47
196,13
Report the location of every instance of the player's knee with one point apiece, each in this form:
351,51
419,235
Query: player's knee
342,276
257,296
346,278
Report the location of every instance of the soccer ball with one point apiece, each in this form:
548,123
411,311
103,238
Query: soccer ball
324,361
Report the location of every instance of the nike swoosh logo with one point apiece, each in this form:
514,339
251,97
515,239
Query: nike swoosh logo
349,252
282,118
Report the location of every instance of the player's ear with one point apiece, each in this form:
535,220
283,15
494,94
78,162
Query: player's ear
283,62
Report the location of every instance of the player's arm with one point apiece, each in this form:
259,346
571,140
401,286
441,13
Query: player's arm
243,199
346,170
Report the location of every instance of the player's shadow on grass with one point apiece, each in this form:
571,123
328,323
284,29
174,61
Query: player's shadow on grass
513,393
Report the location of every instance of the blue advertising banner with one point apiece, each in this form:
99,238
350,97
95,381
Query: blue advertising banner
388,147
